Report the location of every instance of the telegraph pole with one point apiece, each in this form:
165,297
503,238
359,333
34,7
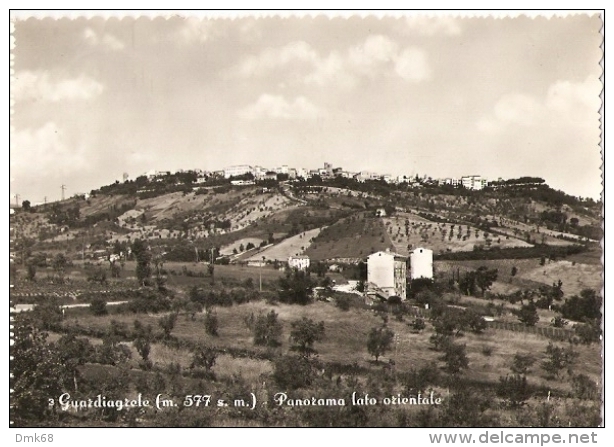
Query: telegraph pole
63,189
17,196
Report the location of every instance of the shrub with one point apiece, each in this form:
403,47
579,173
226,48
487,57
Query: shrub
418,324
455,357
514,389
292,372
266,329
343,302
211,323
98,306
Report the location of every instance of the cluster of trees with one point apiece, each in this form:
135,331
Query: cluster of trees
482,279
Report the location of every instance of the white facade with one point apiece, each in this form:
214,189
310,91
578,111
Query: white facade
298,262
388,272
232,171
421,263
475,182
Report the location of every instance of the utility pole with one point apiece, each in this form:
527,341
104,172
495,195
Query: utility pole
63,189
17,196
45,200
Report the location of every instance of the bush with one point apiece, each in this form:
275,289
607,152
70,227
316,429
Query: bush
98,307
292,372
343,302
211,323
587,333
418,324
584,388
266,328
522,363
514,389
487,350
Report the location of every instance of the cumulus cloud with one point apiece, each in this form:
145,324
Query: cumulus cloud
270,59
277,107
378,55
45,150
430,26
40,86
195,30
105,40
412,65
565,103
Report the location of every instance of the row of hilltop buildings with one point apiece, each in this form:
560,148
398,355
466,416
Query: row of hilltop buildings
328,171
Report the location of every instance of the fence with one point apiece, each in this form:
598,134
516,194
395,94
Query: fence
547,331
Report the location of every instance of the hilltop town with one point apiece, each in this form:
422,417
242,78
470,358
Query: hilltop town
233,280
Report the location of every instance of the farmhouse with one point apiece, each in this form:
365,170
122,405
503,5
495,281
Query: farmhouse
387,271
421,263
298,262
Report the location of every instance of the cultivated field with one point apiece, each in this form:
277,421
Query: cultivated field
292,246
410,231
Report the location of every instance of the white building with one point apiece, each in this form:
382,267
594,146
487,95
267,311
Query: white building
298,262
421,263
475,182
233,171
388,272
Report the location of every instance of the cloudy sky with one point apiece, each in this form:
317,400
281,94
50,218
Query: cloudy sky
446,97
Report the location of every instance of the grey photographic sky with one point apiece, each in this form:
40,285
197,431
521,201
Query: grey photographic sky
445,96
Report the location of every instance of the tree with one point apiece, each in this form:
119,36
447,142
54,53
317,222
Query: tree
379,341
587,306
455,357
60,262
528,314
26,205
142,342
143,347
475,322
31,272
167,323
467,284
452,322
37,376
296,287
204,357
485,277
211,269
266,329
305,332
143,260
587,333
514,271
557,359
